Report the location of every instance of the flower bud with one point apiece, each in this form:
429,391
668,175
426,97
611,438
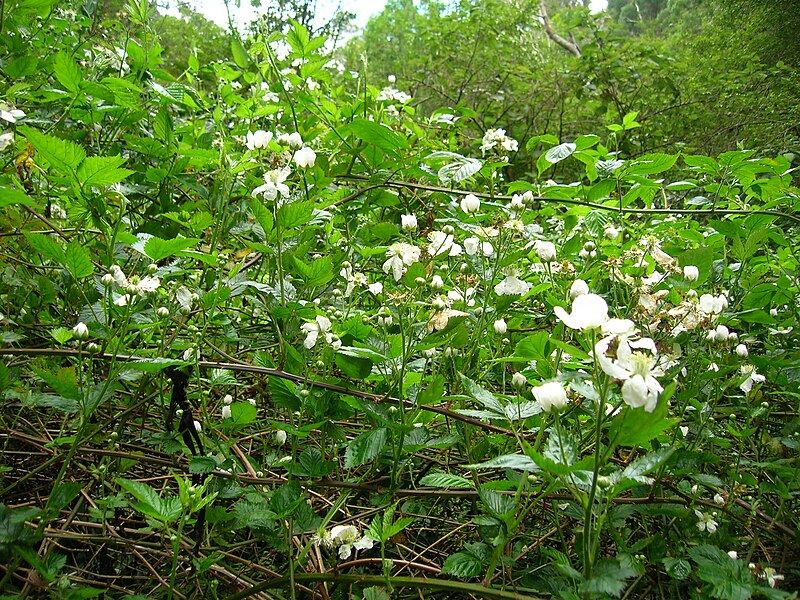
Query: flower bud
741,351
500,326
80,331
470,204
691,273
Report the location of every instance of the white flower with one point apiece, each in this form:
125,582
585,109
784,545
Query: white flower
546,251
226,411
280,437
399,256
635,364
375,288
198,428
516,205
611,233
258,139
227,399
771,576
292,140
123,300
321,325
11,115
512,286
500,326
347,538
391,79
518,380
497,137
589,311
119,277
713,304
733,554
273,184
441,242
741,351
470,203
408,222
466,296
691,273
471,245
487,248
752,377
550,396
148,284
6,140
705,522
578,288
721,333
80,331
718,499
773,312
305,157
436,282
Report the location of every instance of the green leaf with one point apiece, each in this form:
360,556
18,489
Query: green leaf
517,462
100,171
77,260
446,480
295,214
650,164
242,413
677,568
558,153
482,395
46,245
10,196
285,499
365,447
62,495
61,334
149,502
498,504
462,564
202,464
263,216
637,427
316,274
67,72
158,249
240,56
64,155
354,367
379,135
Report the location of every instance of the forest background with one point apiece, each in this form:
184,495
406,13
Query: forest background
490,299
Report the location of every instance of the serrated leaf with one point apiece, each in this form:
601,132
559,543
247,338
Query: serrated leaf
64,155
100,171
63,494
365,447
61,334
560,152
77,260
263,216
10,196
379,135
446,480
677,568
242,413
637,469
462,564
316,274
158,249
639,427
295,214
65,405
482,395
517,462
67,72
149,502
650,164
498,504
202,464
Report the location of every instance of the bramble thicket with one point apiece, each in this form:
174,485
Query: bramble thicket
492,299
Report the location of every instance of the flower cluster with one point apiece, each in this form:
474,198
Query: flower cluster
346,539
496,140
